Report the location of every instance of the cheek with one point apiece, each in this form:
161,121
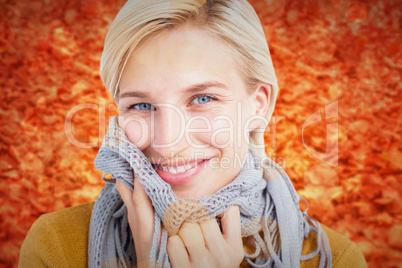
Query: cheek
137,131
225,129
222,135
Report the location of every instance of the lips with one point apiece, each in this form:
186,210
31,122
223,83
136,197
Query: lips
175,170
178,166
180,174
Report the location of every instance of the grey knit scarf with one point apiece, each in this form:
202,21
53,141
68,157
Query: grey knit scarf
268,206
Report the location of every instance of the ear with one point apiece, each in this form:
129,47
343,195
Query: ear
261,98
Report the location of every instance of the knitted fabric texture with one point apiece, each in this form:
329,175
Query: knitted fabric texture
269,211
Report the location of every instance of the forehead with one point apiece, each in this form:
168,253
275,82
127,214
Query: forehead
179,56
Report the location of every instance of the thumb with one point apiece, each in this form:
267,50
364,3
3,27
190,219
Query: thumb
140,216
231,225
141,199
126,194
138,204
137,199
144,204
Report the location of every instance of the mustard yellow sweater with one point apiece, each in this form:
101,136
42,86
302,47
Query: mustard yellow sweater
60,239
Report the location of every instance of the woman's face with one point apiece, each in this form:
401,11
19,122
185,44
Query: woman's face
184,105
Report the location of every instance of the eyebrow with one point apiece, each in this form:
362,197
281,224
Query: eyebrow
192,89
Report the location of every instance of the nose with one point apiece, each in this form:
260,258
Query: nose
168,136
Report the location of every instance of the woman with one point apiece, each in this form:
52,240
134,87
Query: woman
190,183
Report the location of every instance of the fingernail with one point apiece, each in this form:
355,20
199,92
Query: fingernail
109,178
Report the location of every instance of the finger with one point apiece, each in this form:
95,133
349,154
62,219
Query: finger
177,252
193,239
140,197
144,210
140,217
231,226
138,205
214,241
126,194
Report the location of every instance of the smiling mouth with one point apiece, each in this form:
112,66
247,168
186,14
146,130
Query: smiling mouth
176,175
178,169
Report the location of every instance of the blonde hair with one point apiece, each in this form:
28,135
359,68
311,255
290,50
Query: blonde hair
233,22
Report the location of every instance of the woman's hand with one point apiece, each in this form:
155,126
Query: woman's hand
140,218
203,245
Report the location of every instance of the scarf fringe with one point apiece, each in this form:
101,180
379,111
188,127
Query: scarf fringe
267,248
323,246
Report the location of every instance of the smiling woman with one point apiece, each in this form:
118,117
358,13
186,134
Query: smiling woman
190,183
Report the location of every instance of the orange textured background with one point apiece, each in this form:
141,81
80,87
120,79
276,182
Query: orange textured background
323,51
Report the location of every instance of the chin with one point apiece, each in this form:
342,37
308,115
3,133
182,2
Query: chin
196,191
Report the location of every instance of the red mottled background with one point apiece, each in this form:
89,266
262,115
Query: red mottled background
340,54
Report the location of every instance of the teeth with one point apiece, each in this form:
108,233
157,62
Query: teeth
180,169
173,170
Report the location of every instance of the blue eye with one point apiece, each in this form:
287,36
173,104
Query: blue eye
202,100
142,106
146,106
